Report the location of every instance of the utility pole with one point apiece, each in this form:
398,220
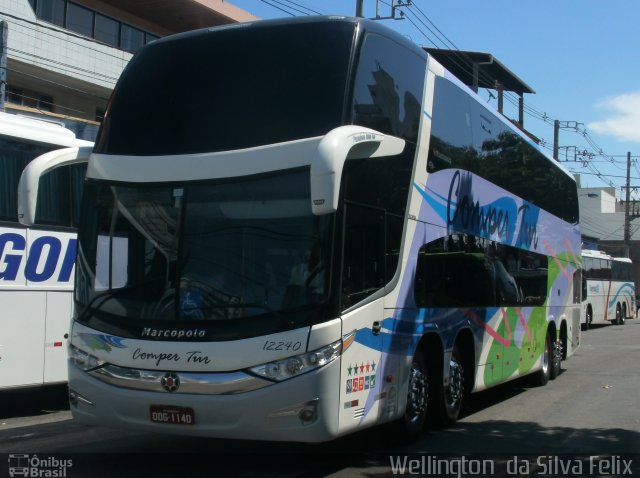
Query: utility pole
627,220
629,215
556,137
3,62
557,126
359,8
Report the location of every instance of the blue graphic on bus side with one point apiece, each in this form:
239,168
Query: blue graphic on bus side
42,258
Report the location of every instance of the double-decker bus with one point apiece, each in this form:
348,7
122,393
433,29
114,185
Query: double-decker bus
296,229
37,262
608,289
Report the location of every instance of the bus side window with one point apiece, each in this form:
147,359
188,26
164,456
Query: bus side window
453,278
364,256
59,194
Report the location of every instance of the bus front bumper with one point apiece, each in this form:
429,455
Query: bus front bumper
303,408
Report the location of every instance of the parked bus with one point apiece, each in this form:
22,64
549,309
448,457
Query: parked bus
609,289
36,263
296,229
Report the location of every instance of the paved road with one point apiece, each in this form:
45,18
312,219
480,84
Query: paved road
591,408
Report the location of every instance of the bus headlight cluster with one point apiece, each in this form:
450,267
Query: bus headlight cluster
83,360
293,366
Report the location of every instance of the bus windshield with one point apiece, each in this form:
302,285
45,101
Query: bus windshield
215,250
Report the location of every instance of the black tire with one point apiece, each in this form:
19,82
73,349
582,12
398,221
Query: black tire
415,413
588,319
541,377
618,320
556,359
453,394
623,315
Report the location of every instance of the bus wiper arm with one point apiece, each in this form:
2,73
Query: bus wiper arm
110,294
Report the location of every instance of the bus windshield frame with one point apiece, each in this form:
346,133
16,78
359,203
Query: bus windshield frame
205,252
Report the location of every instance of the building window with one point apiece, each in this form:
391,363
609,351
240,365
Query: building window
107,30
92,24
14,95
131,38
80,19
45,103
51,11
148,37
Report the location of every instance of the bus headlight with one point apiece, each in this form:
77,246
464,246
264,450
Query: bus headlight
297,365
83,360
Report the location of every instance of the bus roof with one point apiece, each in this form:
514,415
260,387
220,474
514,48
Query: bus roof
38,131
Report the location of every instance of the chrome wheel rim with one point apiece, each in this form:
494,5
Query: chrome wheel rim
545,356
456,383
417,396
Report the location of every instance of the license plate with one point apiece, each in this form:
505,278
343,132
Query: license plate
172,415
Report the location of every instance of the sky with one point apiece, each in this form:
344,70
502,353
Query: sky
580,57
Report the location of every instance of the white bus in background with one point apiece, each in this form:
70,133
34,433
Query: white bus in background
333,235
37,263
608,289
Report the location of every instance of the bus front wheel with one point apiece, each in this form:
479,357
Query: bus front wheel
415,412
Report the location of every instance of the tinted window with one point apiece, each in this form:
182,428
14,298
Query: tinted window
107,30
14,156
229,89
387,97
80,19
388,88
466,135
51,11
622,271
461,270
131,39
148,37
364,254
59,195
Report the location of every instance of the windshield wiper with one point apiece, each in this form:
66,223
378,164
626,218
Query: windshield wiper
110,294
249,305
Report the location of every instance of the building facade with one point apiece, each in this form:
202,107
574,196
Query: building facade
64,57
602,223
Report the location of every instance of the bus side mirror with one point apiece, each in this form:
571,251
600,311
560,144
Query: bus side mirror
30,178
334,149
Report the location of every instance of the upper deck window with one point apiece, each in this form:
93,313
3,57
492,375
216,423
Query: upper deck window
230,89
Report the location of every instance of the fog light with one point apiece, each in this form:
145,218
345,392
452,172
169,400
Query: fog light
75,398
308,415
307,412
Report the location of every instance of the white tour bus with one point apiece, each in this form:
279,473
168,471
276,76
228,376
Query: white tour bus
608,289
296,229
37,262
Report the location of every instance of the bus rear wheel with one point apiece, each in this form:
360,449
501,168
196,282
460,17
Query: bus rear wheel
453,393
556,359
588,319
541,378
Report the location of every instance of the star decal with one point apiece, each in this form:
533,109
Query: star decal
349,370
